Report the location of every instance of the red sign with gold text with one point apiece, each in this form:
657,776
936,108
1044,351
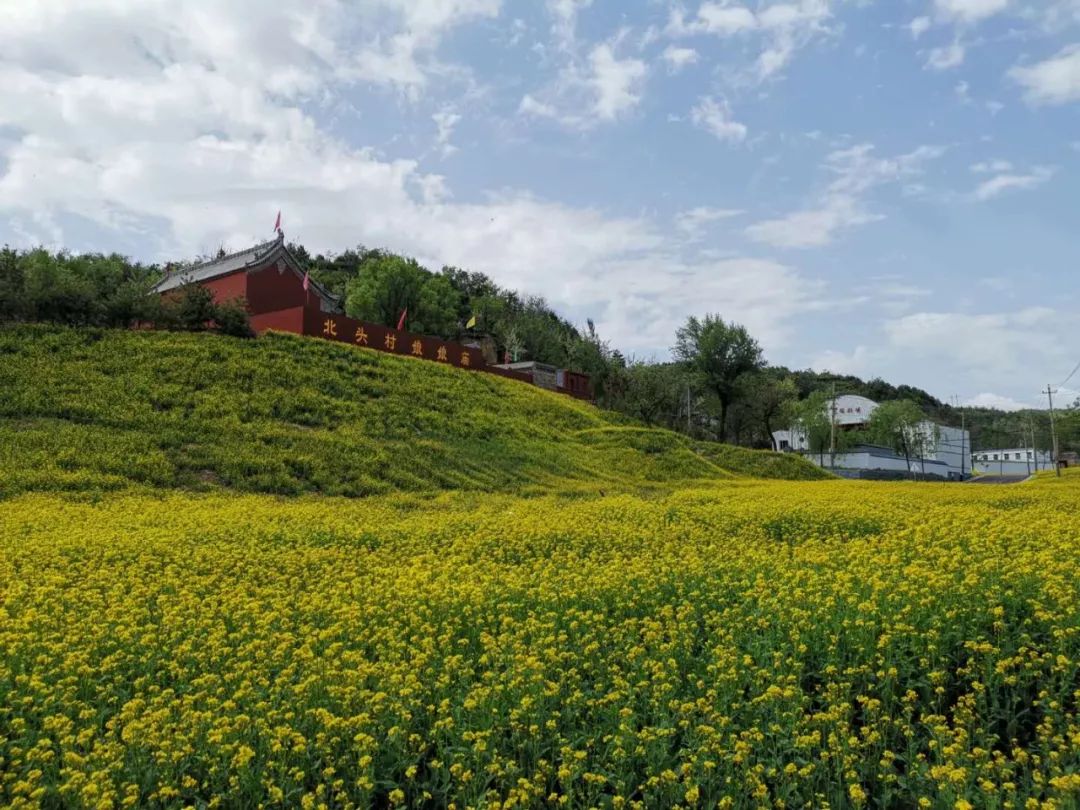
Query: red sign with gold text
387,339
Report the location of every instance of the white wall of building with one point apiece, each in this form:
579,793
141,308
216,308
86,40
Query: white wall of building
852,410
953,448
1011,461
881,459
949,458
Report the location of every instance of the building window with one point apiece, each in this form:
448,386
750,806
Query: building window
995,456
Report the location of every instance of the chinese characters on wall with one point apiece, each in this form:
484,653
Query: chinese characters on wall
375,336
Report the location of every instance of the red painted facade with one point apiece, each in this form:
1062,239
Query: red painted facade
270,289
282,320
226,288
374,336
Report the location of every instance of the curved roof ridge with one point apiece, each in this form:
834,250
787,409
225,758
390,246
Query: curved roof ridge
256,249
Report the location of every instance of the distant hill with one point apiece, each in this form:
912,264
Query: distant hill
98,409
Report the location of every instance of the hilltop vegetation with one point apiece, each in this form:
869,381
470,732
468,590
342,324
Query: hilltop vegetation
99,409
742,406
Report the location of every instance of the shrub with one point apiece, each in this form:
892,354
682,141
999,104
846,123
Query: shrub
231,318
195,310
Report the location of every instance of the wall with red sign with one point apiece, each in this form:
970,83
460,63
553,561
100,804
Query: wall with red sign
374,336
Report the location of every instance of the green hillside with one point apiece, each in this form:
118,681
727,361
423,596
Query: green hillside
95,409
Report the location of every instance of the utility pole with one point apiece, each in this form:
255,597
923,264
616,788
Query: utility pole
963,438
1027,451
1034,447
963,443
832,427
1053,431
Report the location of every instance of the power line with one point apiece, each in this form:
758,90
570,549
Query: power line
1071,373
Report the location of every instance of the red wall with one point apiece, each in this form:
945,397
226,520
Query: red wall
383,338
269,290
227,287
283,320
577,385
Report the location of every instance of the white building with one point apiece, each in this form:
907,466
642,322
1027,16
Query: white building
1011,461
851,412
947,459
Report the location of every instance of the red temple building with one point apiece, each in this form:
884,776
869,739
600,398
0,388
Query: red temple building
271,281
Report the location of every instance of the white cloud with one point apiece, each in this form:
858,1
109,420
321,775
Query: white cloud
1053,81
1001,183
433,188
969,11
991,167
995,343
840,207
859,361
813,227
530,106
693,221
445,121
603,89
679,58
765,296
398,38
783,28
919,26
715,18
617,82
191,133
565,13
714,116
945,57
1000,402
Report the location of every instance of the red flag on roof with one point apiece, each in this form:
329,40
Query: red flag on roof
277,222
401,320
307,281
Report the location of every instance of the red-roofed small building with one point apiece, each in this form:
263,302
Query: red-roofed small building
268,277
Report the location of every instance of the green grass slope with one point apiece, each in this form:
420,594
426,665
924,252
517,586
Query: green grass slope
89,409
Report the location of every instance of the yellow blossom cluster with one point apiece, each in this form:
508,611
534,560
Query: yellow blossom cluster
750,644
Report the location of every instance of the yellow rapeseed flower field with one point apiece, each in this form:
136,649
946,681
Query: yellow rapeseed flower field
749,644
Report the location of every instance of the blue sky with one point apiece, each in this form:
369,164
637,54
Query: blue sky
881,188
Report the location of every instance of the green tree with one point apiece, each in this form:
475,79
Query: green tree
590,354
654,393
476,291
768,400
83,290
720,353
387,285
900,425
1068,427
12,285
812,422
